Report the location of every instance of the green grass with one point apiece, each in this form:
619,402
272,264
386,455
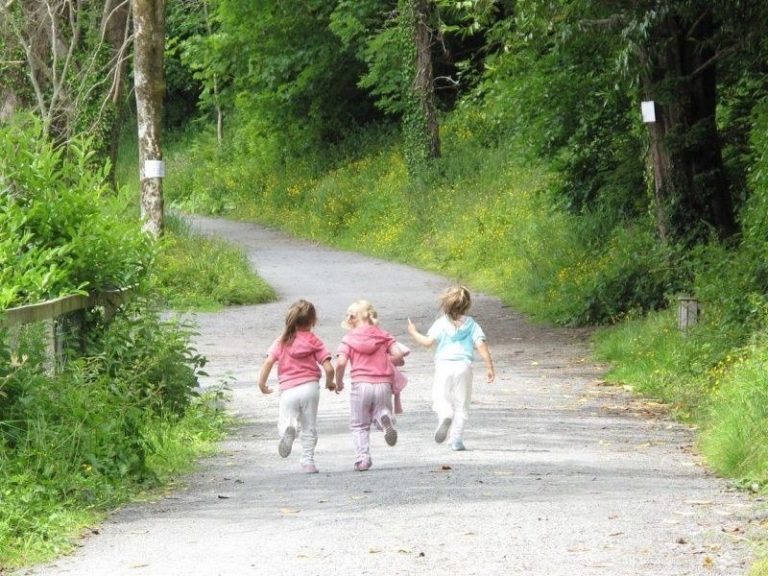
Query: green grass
44,511
205,273
192,271
484,216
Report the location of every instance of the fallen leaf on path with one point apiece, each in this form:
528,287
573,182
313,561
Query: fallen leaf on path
373,551
223,497
616,534
699,502
138,565
289,510
445,467
708,562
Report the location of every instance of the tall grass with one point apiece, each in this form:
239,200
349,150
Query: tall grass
485,215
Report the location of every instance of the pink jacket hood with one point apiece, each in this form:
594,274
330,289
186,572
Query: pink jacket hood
368,339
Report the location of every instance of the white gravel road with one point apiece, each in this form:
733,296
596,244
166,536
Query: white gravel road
562,477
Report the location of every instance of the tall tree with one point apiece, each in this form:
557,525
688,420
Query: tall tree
149,46
420,124
679,73
57,45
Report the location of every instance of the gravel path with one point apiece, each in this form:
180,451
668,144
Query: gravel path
562,476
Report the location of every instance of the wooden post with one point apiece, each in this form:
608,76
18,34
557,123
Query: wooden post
687,312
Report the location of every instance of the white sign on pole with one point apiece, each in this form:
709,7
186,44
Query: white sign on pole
648,109
154,169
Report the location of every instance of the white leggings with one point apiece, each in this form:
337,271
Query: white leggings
452,393
298,408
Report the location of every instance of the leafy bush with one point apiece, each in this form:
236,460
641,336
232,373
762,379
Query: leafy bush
58,240
83,439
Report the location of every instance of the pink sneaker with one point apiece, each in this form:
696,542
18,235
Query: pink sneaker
309,469
363,465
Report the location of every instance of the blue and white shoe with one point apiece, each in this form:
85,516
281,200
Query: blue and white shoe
458,445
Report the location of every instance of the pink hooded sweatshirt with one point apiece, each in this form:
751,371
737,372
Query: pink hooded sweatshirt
298,362
367,348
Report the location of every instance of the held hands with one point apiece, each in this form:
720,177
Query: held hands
339,386
329,385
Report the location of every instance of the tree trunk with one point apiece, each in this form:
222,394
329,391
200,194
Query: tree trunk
690,189
420,127
149,45
115,25
423,82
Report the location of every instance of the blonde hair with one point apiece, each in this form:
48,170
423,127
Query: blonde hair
362,311
455,301
301,314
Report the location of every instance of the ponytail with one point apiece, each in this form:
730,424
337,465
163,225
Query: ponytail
301,314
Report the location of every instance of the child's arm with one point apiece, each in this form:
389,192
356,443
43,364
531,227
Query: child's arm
266,368
341,366
328,367
427,341
485,354
396,354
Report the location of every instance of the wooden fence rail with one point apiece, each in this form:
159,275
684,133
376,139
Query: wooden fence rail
64,318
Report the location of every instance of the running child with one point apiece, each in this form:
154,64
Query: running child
456,338
372,354
298,354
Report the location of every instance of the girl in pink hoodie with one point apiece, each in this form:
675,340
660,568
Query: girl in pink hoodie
298,354
372,353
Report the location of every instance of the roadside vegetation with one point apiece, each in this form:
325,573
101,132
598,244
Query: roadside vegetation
126,416
543,190
500,143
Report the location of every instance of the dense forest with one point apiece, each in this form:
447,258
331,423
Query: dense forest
588,161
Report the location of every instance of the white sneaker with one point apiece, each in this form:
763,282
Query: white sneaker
442,430
286,442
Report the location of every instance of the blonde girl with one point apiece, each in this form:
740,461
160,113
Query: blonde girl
456,338
371,352
298,354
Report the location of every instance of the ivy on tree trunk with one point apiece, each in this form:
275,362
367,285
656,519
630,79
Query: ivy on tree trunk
420,126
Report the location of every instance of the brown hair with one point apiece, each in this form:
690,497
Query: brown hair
301,314
455,301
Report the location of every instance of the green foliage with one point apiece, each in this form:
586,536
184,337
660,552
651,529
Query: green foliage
187,25
104,427
59,240
199,272
735,439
